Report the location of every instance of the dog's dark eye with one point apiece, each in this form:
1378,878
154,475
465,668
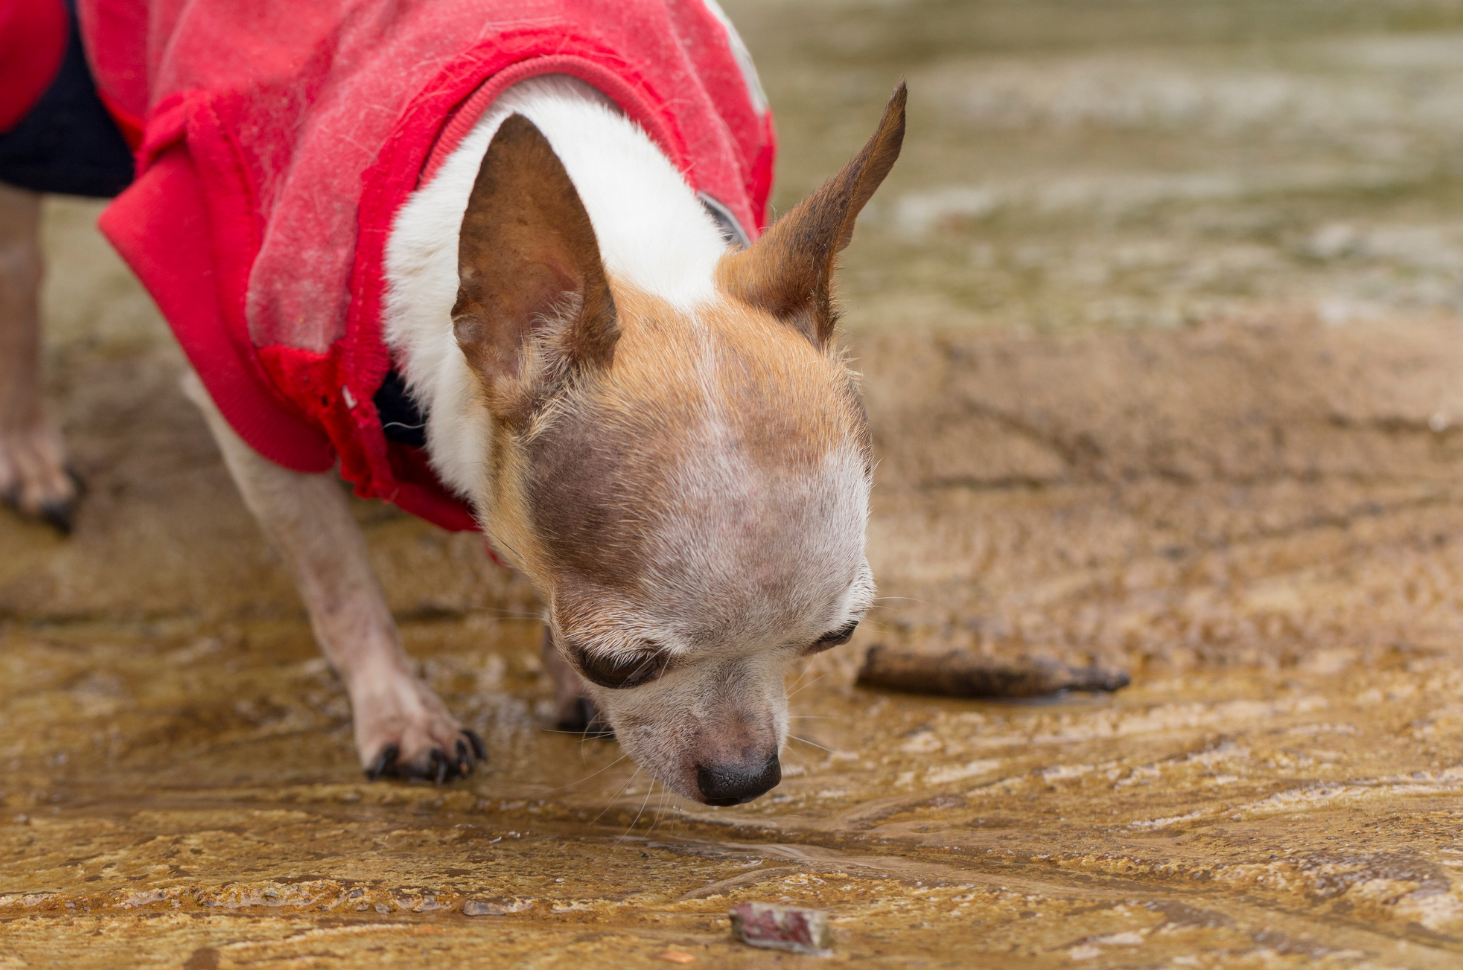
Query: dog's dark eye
620,673
835,639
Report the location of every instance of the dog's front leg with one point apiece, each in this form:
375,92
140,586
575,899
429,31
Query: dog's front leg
401,727
33,474
573,709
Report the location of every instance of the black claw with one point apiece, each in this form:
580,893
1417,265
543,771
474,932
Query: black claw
384,762
60,515
586,720
439,766
478,748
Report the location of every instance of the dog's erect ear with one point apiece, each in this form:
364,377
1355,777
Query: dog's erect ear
533,302
789,270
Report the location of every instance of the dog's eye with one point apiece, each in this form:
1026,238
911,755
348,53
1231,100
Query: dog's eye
621,673
835,639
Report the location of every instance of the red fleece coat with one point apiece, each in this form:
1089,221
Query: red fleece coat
278,138
32,43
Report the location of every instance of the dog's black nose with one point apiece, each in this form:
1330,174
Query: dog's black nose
733,784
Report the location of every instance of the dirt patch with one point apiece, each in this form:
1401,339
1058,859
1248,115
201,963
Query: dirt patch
1225,494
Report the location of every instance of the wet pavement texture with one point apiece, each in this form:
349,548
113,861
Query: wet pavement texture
1158,318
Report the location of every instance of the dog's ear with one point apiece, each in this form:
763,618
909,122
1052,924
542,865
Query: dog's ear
533,303
789,270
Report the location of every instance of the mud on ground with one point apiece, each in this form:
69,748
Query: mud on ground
1242,481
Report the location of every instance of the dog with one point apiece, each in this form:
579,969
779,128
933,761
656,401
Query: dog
649,418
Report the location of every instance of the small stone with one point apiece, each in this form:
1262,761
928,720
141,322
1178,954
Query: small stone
782,928
675,956
501,906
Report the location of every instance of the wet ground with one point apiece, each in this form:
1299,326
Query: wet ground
1159,317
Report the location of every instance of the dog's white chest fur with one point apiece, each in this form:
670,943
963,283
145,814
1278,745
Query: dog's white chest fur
652,231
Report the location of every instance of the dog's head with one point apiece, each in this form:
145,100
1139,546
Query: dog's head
688,486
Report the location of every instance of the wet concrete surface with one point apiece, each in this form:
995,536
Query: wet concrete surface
1203,430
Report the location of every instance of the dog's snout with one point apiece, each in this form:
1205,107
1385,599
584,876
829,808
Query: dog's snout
735,783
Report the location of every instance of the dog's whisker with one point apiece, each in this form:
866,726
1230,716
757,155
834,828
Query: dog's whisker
500,543
805,686
798,760
807,669
610,804
803,671
794,688
583,735
586,736
794,737
648,792
590,775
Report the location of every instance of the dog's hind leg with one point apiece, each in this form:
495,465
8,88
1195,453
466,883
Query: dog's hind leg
33,475
401,727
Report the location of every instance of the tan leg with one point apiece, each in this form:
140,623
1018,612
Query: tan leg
32,461
401,727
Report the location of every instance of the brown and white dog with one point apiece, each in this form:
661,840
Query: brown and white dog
661,432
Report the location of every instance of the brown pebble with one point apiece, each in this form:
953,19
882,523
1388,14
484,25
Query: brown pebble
675,956
782,928
960,673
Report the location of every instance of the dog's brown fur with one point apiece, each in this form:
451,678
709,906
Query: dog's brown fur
613,411
789,273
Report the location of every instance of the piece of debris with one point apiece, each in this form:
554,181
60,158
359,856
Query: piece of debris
782,928
675,956
960,673
500,906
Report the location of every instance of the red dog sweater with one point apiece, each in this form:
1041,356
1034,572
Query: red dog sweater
32,43
276,140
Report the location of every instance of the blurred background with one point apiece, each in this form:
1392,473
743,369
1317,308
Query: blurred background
1159,322
1133,163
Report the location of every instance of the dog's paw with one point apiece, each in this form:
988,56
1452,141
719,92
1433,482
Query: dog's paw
414,737
34,479
573,711
437,765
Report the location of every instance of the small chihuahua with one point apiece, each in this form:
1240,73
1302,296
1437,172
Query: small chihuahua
661,432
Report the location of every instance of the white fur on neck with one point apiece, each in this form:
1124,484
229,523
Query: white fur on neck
652,232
